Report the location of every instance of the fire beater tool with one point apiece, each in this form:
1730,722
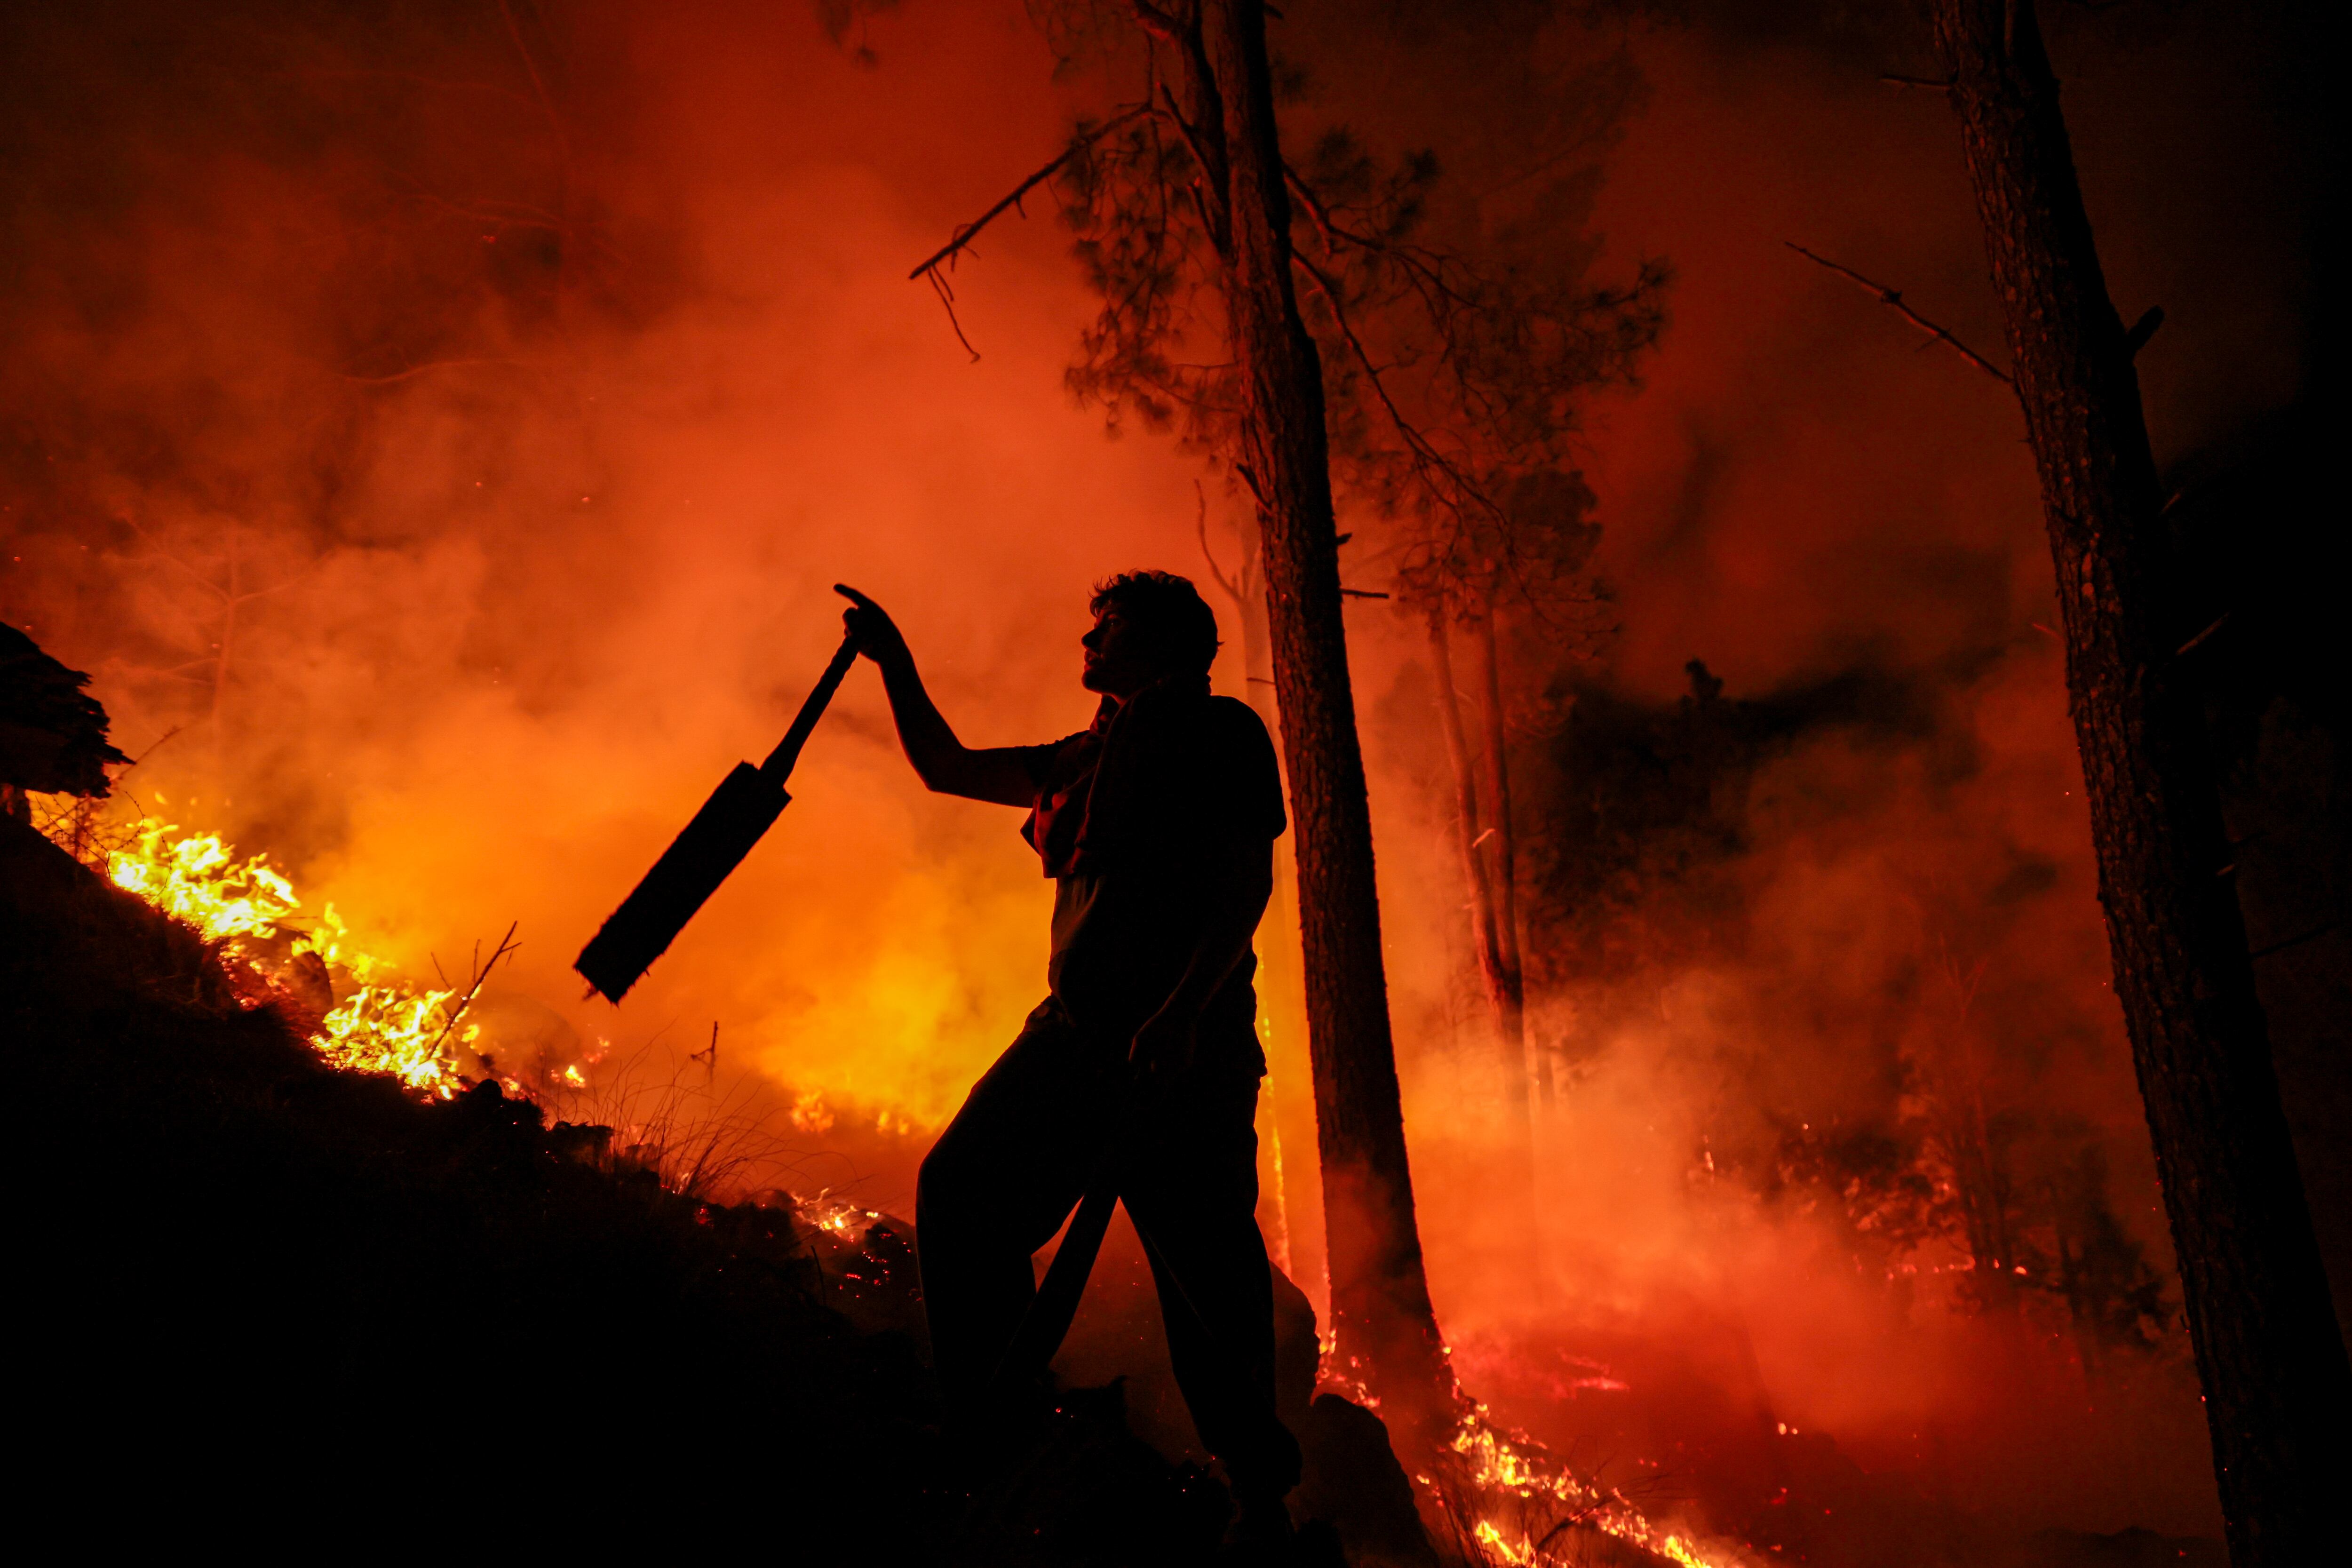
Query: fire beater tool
745,804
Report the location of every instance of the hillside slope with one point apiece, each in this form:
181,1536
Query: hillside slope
275,1300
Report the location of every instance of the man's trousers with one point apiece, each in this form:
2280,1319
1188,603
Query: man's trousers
1014,1164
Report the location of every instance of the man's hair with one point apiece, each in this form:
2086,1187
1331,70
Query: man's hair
1178,625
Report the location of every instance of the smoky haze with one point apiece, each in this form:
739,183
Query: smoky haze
437,430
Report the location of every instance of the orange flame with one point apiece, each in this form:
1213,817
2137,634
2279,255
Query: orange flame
386,1025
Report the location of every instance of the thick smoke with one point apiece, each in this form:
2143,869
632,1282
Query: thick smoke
1821,950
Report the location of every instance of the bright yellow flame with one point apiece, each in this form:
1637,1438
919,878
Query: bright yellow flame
1502,1463
198,879
383,1025
396,1030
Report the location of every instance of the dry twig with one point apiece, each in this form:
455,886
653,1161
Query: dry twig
963,237
506,946
1893,298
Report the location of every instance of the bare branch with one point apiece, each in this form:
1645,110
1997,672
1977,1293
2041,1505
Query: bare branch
1201,523
1893,298
941,287
1423,453
1209,224
1313,203
156,744
507,945
1925,83
963,237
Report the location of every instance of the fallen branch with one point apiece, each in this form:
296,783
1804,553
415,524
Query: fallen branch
1893,298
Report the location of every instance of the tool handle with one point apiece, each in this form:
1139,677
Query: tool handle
1046,1323
779,765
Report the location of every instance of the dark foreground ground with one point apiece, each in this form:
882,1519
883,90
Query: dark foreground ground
272,1303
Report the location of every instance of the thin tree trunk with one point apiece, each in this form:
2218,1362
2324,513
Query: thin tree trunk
1379,1294
2268,1349
1505,856
1467,830
1470,838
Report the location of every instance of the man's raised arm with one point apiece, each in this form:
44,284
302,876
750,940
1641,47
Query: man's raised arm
943,763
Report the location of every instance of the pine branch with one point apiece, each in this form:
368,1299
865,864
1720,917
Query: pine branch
1232,585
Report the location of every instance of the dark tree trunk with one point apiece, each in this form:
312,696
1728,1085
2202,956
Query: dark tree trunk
1289,1073
2267,1345
1380,1295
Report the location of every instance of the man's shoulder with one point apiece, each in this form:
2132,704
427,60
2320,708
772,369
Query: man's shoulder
1229,733
1235,717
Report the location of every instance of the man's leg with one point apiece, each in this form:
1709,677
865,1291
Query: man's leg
993,1190
1192,1194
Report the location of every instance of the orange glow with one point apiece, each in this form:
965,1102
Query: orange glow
382,1025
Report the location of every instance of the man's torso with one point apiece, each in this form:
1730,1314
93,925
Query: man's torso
1170,797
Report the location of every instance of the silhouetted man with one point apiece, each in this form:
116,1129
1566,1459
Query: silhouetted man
1156,822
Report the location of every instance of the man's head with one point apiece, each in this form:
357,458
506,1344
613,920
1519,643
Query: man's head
1149,626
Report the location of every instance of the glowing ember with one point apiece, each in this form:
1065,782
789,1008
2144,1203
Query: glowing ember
836,1217
383,1025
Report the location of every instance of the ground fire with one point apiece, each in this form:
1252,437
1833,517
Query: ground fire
1749,626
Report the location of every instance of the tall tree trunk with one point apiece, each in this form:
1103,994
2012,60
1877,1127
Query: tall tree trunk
1379,1294
2268,1348
1504,853
1290,1099
1471,836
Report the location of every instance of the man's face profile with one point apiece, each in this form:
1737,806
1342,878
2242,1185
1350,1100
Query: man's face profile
1118,663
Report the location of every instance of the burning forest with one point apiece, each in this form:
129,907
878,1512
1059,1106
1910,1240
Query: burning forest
1768,678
